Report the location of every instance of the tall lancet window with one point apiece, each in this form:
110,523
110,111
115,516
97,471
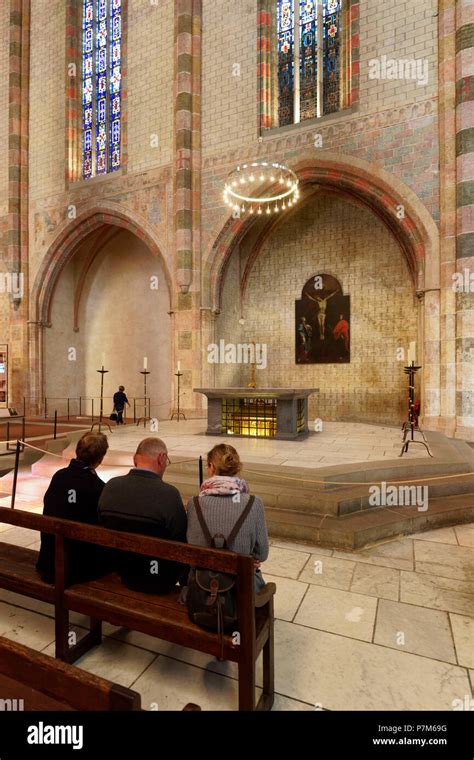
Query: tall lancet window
101,86
309,58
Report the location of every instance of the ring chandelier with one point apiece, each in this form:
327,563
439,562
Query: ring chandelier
243,188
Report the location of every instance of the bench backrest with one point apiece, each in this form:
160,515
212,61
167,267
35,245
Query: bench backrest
239,565
64,683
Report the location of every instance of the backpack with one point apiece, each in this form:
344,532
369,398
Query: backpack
211,596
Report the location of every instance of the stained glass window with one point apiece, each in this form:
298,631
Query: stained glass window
286,63
101,86
308,59
331,53
309,52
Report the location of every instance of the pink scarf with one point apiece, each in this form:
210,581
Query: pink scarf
224,485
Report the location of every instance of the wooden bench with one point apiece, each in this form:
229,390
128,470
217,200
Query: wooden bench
32,681
157,615
43,683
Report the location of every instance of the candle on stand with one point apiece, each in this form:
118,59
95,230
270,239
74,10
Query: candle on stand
103,361
179,367
412,352
145,363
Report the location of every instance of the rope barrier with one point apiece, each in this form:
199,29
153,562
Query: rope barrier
296,480
360,482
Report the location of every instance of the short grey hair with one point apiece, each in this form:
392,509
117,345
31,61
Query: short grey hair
151,447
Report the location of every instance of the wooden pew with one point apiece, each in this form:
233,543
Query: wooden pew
157,615
43,683
32,681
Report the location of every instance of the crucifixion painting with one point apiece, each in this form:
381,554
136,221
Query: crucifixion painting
322,330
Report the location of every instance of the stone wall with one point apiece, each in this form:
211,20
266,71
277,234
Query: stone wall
330,235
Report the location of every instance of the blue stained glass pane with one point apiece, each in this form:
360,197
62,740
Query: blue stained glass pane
116,27
331,54
101,109
115,107
87,85
115,84
115,53
101,85
115,131
87,67
115,79
286,34
308,59
88,41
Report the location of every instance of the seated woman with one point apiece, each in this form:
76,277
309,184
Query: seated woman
223,498
73,494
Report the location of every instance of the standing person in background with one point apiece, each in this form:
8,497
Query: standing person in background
120,400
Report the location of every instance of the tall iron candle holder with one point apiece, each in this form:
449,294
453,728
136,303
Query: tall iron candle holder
145,418
177,411
101,414
411,424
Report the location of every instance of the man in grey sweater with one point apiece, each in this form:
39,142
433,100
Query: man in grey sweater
141,502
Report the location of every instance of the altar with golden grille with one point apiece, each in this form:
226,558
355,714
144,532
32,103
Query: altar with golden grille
280,413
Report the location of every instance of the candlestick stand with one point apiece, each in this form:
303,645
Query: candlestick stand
412,423
176,410
101,415
145,418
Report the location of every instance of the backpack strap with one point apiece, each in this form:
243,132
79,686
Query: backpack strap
233,534
202,522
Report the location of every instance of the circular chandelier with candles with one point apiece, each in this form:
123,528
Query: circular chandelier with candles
261,187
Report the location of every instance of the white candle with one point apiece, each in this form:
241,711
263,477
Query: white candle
412,352
103,360
145,362
179,367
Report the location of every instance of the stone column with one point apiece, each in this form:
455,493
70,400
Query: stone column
187,189
465,217
447,184
17,246
264,51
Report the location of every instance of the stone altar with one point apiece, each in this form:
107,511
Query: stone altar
280,413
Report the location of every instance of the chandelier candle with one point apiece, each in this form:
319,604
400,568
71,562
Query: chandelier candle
261,187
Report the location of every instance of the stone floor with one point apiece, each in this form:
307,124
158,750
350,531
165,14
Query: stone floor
389,628
338,443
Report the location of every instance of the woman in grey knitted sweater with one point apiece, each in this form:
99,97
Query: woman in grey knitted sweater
223,498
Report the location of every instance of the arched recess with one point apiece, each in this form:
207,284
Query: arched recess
99,220
387,196
393,203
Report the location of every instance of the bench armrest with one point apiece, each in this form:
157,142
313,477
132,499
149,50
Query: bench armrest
264,596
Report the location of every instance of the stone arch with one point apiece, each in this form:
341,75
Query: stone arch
388,197
72,235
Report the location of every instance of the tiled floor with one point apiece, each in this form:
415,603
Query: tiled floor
389,628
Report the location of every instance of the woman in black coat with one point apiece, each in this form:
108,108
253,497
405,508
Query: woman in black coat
73,494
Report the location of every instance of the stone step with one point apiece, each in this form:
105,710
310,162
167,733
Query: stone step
356,531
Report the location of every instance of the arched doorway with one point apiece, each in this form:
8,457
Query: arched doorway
103,292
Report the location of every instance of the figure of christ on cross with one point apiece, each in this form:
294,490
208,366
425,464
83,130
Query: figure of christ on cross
322,303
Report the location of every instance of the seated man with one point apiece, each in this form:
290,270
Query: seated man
73,494
141,502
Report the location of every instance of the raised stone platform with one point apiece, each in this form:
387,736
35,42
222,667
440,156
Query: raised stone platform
316,490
